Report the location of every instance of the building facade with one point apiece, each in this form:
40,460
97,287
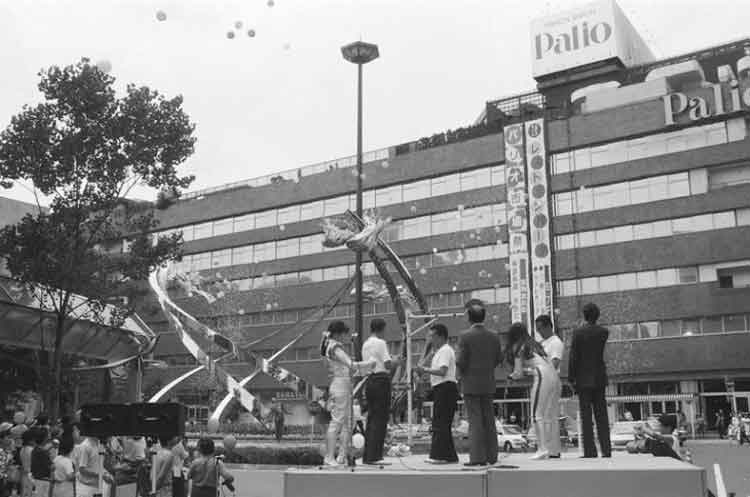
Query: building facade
647,186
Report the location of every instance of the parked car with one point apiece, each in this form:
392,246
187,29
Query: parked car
510,438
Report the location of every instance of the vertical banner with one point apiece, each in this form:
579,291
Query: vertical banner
517,205
539,218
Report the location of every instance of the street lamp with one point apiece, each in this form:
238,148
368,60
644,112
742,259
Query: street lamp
359,53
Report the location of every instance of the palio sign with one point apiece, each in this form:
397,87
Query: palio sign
704,103
595,32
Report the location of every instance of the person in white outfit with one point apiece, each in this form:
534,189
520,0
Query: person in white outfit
554,349
340,368
529,358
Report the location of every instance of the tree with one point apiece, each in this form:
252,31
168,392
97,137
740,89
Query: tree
84,150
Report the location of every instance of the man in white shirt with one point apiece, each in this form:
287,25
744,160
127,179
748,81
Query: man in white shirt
442,373
377,392
554,349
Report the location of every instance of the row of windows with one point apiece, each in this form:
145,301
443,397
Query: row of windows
655,229
621,194
453,300
707,325
649,146
381,197
436,224
419,262
703,273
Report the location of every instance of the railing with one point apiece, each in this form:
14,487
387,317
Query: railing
295,174
517,105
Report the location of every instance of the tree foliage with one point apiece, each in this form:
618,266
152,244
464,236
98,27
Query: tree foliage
84,150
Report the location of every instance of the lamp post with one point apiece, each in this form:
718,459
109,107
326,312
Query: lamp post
359,53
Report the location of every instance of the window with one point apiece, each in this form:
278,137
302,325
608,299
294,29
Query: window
416,227
309,245
289,214
734,322
649,329
691,327
497,175
687,274
629,331
586,238
502,295
723,220
671,328
712,324
743,217
721,177
446,222
338,205
646,279
335,273
287,279
479,217
666,277
203,230
313,210
589,285
626,281
388,196
679,185
417,190
444,185
568,288
563,203
264,252
287,248
607,284
221,258
605,236
564,242
223,226
472,180
623,234
312,276
265,219
244,223
201,261
446,258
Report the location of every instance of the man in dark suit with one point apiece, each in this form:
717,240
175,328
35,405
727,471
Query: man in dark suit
479,353
587,374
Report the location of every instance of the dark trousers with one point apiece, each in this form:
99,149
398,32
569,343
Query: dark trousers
445,397
378,395
178,487
482,431
278,428
593,399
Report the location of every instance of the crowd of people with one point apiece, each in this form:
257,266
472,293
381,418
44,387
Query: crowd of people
468,372
42,460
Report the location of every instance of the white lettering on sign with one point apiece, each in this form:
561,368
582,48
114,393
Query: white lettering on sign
707,104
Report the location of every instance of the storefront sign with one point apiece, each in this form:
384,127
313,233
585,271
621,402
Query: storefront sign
539,218
703,103
591,33
517,212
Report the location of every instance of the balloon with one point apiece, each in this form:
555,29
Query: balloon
213,425
161,16
104,66
270,3
230,34
238,25
251,33
358,441
19,417
230,442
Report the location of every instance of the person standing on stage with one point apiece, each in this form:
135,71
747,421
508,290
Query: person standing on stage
377,391
554,348
587,374
340,367
479,353
528,357
442,373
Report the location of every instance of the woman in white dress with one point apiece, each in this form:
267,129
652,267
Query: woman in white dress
529,358
340,367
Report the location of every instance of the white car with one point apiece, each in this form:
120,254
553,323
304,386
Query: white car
510,438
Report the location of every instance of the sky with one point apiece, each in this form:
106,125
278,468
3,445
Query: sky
286,98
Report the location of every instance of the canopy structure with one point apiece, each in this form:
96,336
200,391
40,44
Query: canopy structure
27,321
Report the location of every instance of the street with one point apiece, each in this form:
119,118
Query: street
733,460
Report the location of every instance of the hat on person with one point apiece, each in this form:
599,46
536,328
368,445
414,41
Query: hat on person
337,327
5,427
19,417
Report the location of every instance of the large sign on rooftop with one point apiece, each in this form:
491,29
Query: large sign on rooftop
590,33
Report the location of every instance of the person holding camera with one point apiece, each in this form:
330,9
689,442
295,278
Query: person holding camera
206,470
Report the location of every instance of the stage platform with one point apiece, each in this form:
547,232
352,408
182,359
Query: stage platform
624,475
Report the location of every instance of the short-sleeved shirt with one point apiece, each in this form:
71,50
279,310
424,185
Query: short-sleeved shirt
443,357
376,348
554,349
87,458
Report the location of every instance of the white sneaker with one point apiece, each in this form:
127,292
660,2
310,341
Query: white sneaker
340,460
330,462
539,455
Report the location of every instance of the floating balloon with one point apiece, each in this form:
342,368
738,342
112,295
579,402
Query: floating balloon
161,16
423,271
230,442
282,227
413,209
238,25
230,35
251,33
104,66
270,3
213,425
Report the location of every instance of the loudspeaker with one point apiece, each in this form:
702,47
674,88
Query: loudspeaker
135,420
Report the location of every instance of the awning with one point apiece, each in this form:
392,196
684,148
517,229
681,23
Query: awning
651,398
26,321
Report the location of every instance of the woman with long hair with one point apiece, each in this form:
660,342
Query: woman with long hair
340,367
529,358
